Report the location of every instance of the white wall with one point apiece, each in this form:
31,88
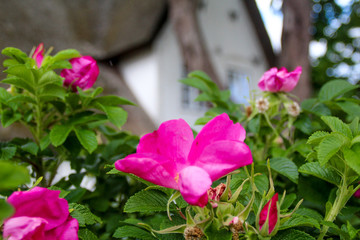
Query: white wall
232,43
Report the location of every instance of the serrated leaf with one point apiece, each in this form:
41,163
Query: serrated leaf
63,64
6,210
285,167
337,125
12,176
317,137
21,98
86,234
15,53
133,232
63,193
289,199
213,233
7,153
66,54
45,142
310,213
50,77
53,90
334,89
353,109
30,147
323,172
330,145
116,115
146,201
299,220
87,138
292,234
20,83
355,140
59,133
8,117
354,126
205,78
83,215
352,159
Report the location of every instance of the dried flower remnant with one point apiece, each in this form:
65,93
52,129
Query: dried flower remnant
262,105
293,109
193,233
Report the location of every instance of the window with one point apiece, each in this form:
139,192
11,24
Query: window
239,86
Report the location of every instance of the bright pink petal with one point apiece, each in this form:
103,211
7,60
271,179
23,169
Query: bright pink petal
42,203
194,183
268,80
273,213
67,231
151,167
219,128
291,80
83,73
173,141
39,54
24,228
222,157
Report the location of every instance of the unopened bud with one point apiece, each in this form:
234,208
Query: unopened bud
262,105
193,233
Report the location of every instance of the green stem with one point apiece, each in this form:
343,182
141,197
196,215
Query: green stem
339,203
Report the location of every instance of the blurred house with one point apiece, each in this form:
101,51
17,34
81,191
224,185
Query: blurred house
138,54
239,48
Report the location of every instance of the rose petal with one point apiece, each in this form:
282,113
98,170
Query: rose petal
194,183
222,157
219,128
40,202
67,231
292,79
269,78
39,54
24,228
151,167
173,141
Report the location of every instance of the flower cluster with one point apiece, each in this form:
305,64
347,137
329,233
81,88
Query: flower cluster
40,214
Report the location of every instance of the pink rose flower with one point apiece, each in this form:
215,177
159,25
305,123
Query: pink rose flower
38,55
40,214
270,213
170,156
83,73
281,80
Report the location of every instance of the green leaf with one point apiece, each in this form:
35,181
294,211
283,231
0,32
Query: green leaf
334,89
203,120
292,234
49,77
196,83
330,145
87,138
317,137
289,199
285,167
133,232
64,64
45,142
59,133
355,140
6,210
299,220
12,176
350,108
310,213
66,54
354,126
146,201
8,117
21,99
53,90
21,71
352,159
30,147
337,125
323,172
20,83
7,153
86,234
112,100
15,53
313,106
205,78
213,233
116,115
83,215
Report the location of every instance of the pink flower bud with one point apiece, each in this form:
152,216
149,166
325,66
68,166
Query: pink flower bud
270,213
281,80
357,193
83,73
38,55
